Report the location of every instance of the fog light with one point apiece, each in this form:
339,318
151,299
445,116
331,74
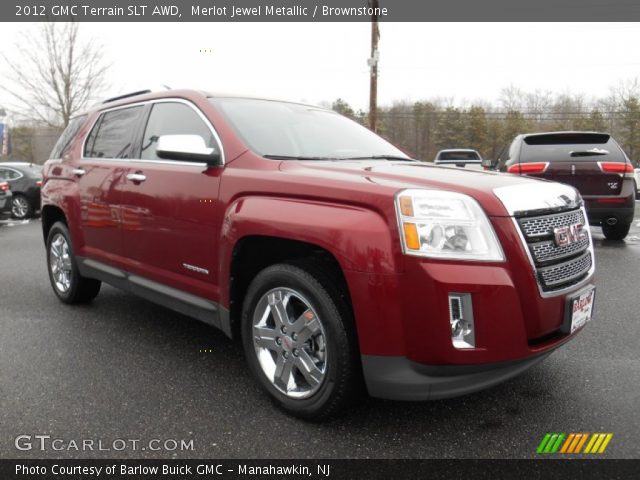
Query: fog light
461,320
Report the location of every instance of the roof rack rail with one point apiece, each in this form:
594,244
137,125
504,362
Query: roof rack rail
127,95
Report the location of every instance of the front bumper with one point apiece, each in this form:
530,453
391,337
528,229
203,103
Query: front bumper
398,378
405,334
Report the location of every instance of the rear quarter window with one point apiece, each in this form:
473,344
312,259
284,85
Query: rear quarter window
458,155
66,139
9,174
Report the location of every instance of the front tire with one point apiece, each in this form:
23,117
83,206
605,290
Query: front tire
299,340
67,283
616,232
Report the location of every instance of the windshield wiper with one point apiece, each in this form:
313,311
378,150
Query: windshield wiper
589,153
296,157
381,157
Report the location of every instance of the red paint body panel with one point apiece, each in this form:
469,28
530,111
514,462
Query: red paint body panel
182,214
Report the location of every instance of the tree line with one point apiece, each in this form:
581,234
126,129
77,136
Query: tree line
421,128
55,73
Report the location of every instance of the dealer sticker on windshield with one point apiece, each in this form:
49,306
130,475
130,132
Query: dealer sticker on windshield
581,308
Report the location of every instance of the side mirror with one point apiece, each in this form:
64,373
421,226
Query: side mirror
187,148
487,164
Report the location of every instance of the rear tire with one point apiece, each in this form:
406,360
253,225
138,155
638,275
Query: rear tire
21,207
616,232
293,316
66,281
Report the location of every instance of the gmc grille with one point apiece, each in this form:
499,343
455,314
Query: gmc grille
557,267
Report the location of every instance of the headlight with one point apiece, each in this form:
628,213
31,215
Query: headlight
444,224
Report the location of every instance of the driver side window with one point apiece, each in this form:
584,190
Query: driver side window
172,118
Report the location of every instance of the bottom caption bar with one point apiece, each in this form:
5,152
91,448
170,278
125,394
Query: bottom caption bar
334,469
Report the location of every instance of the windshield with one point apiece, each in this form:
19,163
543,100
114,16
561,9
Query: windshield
459,155
288,130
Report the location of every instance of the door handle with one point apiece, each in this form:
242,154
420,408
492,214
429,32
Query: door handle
136,177
78,172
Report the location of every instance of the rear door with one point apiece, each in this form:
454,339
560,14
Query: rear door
170,209
98,174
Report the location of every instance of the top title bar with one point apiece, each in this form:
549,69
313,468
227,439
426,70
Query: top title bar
320,10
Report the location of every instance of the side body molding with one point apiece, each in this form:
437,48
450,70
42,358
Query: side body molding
182,302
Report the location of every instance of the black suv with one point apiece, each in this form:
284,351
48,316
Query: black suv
592,162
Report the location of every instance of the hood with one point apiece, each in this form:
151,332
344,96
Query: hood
500,194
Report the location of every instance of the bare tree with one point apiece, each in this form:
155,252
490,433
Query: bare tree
511,98
54,74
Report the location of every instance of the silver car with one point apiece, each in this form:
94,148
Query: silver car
459,157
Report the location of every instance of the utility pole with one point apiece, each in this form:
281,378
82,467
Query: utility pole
373,64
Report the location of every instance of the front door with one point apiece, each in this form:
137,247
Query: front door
170,218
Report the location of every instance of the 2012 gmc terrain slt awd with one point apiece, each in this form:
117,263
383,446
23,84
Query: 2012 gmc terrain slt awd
340,262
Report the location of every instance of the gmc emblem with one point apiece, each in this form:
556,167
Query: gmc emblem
564,236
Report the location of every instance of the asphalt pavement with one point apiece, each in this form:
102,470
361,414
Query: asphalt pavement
125,369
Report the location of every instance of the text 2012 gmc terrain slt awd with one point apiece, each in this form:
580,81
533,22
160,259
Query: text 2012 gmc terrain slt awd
340,262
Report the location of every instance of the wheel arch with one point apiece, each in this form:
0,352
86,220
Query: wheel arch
51,214
268,230
253,253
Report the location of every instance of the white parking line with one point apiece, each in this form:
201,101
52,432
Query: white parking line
13,223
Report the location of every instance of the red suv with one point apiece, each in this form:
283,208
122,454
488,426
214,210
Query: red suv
340,262
592,162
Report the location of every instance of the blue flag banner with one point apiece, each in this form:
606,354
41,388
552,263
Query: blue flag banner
5,140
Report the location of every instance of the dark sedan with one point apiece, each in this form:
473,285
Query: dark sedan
25,180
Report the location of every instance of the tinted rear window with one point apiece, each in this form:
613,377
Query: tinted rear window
112,134
568,139
571,147
458,156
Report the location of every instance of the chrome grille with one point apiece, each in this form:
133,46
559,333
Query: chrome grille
536,227
548,251
557,267
565,272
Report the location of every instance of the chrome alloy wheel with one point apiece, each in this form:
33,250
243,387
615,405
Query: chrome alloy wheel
60,263
289,342
19,207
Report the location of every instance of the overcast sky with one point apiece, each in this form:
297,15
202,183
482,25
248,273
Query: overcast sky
317,62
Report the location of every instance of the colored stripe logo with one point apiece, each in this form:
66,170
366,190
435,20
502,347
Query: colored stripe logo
574,443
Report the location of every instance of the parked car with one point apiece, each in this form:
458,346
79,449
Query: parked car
459,157
592,162
339,261
5,199
25,180
636,175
